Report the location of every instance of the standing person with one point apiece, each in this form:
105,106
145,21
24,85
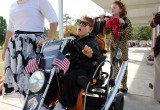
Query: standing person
156,49
23,37
119,13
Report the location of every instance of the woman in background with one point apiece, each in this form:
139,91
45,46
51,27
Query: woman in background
119,13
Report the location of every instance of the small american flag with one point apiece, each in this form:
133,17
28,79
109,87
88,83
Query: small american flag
31,66
62,62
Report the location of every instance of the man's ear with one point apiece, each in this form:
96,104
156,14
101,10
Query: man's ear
90,29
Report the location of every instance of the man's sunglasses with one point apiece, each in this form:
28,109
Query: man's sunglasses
83,23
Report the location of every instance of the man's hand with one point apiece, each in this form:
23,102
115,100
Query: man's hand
153,15
88,51
40,43
3,54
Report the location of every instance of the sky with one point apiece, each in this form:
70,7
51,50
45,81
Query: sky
75,8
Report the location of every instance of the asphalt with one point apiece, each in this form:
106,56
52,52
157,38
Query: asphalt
139,96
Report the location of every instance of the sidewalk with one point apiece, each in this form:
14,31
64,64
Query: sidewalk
139,96
11,102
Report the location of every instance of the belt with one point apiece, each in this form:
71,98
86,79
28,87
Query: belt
27,32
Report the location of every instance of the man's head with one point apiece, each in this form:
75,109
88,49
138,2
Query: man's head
155,21
102,17
84,26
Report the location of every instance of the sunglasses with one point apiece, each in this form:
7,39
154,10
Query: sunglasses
83,23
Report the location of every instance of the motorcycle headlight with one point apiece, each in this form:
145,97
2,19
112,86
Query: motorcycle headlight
36,81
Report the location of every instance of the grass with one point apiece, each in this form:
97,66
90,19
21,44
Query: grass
1,63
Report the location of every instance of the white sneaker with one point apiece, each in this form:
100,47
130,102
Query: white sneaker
58,106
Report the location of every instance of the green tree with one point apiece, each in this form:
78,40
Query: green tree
141,33
3,26
69,25
67,20
56,35
46,30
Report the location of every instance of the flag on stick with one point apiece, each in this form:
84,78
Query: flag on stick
62,62
32,66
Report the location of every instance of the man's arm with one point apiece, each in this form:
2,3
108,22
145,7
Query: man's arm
128,30
8,35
